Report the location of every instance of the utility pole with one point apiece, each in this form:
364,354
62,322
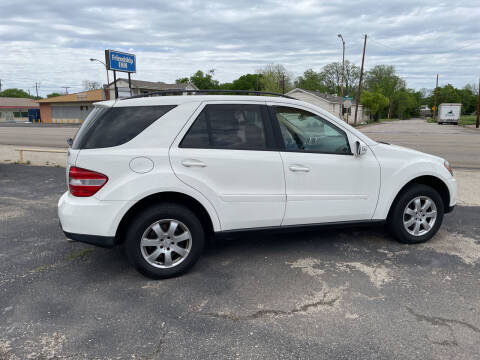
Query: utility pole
357,100
283,83
477,123
66,89
0,85
435,105
343,75
36,88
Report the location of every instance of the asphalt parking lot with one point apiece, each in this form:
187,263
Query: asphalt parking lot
348,294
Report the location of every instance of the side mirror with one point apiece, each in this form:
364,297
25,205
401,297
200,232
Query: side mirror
360,148
70,142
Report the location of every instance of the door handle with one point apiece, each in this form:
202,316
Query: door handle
193,163
299,168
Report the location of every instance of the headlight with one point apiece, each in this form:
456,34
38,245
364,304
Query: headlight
448,167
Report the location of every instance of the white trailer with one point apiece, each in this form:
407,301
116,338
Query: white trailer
449,113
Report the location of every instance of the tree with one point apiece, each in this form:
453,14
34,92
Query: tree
275,78
201,80
247,82
182,80
14,92
331,75
374,102
91,85
54,94
382,79
406,103
311,80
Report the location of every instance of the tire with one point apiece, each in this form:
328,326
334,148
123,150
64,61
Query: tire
402,223
157,247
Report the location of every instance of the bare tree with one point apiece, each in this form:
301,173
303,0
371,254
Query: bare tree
91,85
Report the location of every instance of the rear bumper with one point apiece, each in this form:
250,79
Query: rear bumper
89,219
103,241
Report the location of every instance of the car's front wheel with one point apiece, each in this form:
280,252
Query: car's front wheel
164,240
416,214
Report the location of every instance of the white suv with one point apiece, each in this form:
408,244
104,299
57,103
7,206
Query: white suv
161,174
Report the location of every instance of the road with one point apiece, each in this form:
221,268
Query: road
344,294
459,145
36,135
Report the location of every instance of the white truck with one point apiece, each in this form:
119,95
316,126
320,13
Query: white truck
449,113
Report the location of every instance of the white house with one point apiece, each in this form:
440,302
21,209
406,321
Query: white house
330,103
144,87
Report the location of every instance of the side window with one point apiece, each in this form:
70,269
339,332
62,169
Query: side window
229,126
106,127
304,131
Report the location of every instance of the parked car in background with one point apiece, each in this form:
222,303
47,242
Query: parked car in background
161,174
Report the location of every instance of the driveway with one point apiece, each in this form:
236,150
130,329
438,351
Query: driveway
344,294
459,145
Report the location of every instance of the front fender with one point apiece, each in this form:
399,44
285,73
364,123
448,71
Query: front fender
396,175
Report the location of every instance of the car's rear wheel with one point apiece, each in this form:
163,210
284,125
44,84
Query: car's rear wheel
164,240
416,214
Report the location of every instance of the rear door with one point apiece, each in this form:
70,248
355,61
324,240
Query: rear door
227,152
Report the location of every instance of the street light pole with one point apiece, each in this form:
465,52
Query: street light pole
343,75
101,62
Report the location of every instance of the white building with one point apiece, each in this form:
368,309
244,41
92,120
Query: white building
330,103
144,87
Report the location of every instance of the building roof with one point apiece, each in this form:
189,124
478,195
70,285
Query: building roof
151,85
12,102
84,96
327,97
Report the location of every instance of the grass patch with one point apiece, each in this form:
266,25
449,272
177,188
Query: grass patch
467,120
40,268
464,120
78,254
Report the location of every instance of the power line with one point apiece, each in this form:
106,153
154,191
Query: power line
416,52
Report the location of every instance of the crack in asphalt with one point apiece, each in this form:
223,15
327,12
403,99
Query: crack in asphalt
440,321
272,312
436,320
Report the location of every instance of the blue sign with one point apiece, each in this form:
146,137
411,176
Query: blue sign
120,61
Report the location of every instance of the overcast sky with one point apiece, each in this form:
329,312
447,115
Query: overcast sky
50,42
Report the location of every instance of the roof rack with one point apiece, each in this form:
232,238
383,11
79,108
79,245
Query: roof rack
200,92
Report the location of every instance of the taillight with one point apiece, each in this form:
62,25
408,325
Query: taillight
84,183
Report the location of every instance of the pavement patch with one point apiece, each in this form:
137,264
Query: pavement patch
464,247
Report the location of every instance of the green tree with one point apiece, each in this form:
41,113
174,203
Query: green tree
14,92
54,94
445,94
311,80
374,102
275,78
468,98
331,75
406,103
382,79
201,80
247,82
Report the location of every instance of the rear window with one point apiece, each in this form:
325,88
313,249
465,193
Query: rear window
107,127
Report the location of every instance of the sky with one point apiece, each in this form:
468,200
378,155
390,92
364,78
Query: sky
50,42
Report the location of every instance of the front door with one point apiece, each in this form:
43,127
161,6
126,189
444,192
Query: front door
226,155
325,182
